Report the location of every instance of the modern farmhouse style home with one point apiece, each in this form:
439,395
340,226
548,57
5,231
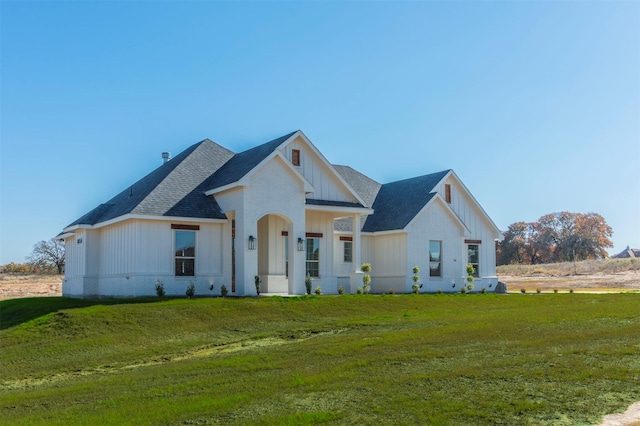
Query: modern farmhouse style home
280,211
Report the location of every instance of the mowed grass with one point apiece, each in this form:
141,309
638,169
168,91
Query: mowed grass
413,359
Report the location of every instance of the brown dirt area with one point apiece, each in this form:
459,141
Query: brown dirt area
16,286
628,281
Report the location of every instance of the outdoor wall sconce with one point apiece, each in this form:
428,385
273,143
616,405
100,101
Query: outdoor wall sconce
252,242
300,244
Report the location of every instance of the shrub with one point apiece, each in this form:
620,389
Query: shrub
340,290
416,280
318,290
392,291
359,291
570,290
307,283
463,290
555,290
483,291
523,291
538,291
191,290
366,279
440,291
159,288
470,287
224,291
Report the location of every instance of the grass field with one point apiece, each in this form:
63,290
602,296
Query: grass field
535,359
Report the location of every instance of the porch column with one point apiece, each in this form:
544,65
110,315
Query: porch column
356,247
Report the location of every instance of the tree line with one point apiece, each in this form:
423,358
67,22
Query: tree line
47,257
555,237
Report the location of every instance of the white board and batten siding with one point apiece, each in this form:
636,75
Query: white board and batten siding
127,259
325,183
387,254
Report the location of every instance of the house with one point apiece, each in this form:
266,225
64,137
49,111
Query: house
627,253
212,217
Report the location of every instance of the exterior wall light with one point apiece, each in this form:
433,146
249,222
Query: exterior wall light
300,244
252,242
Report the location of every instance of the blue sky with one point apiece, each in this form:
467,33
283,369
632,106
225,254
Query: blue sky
535,105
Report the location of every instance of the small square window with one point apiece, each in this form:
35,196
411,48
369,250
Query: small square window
295,157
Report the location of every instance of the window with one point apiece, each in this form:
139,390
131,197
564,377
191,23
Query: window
348,251
447,192
313,257
473,257
185,250
435,258
295,157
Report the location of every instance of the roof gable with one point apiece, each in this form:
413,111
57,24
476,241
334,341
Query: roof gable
366,187
397,203
242,163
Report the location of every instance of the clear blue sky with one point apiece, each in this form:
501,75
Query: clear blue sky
535,105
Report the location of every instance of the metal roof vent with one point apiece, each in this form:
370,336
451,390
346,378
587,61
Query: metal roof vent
166,156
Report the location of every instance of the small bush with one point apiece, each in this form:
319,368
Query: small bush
570,290
463,290
538,291
392,291
483,291
191,290
224,291
555,290
160,288
440,291
340,290
359,291
318,290
307,283
523,291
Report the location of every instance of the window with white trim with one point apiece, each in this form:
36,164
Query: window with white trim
348,252
313,257
435,258
473,258
185,253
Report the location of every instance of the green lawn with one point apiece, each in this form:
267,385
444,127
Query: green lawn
516,359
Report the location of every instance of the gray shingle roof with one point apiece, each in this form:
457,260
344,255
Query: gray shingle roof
314,202
242,163
366,187
173,189
399,202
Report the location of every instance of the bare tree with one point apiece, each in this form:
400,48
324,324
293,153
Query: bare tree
48,254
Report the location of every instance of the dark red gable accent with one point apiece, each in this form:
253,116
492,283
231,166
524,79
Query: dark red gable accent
473,241
314,234
346,238
295,157
185,227
285,233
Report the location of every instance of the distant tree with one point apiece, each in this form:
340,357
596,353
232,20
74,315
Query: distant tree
16,268
555,237
48,254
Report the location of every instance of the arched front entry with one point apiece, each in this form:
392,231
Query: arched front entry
274,249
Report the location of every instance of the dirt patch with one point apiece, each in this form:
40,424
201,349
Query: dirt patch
631,417
18,286
622,281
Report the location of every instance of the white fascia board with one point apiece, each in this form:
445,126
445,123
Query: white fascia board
64,236
470,195
328,164
224,188
76,228
363,211
146,217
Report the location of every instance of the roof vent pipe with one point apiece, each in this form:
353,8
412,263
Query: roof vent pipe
166,156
